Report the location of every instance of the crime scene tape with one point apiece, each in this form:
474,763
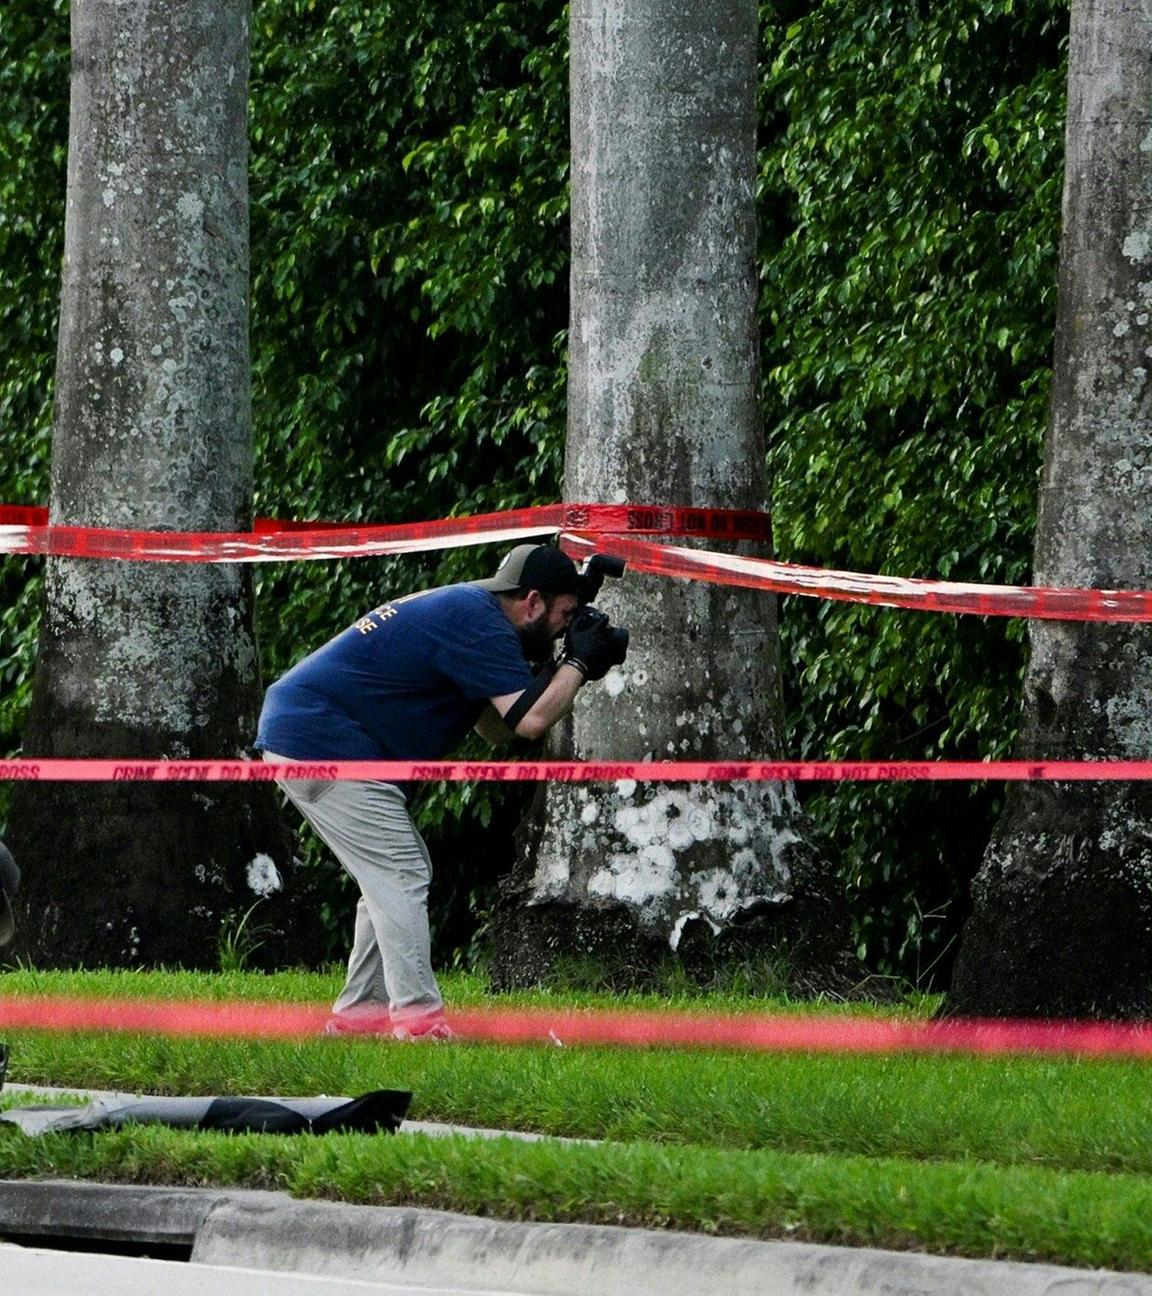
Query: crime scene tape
26,531
748,1032
1032,601
32,769
583,529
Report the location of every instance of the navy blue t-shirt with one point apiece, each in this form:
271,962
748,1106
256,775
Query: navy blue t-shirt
406,682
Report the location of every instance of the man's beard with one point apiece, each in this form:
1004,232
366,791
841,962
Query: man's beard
536,642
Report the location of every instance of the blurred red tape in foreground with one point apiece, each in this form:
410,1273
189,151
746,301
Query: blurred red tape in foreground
102,770
752,1033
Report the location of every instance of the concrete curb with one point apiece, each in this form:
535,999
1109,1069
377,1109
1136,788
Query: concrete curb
271,1231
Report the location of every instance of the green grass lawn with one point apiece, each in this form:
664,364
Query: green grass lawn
1021,1157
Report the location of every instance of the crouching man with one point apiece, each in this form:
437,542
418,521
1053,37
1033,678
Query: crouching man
407,682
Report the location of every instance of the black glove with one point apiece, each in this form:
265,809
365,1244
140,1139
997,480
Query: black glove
593,645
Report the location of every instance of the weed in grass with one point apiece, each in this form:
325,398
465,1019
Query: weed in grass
239,939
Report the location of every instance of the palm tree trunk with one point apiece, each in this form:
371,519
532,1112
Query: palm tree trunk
663,408
1062,920
152,430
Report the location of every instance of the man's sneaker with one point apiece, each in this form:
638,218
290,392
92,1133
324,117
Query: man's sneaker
421,1030
371,1022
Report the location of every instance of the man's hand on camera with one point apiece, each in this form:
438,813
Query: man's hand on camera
593,645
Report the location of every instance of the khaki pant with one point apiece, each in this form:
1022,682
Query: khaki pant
368,828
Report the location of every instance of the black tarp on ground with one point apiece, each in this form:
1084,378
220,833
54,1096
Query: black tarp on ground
378,1112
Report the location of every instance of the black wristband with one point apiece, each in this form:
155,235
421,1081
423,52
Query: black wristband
569,660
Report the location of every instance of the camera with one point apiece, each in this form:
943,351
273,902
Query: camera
590,580
592,576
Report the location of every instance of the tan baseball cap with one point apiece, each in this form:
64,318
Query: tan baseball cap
539,567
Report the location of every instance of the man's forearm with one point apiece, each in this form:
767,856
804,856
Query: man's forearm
553,704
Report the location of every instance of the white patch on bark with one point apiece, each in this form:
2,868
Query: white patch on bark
640,879
1137,246
551,879
190,206
181,307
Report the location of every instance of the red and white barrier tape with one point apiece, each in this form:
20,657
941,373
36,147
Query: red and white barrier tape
1032,601
32,769
754,1033
584,529
272,541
